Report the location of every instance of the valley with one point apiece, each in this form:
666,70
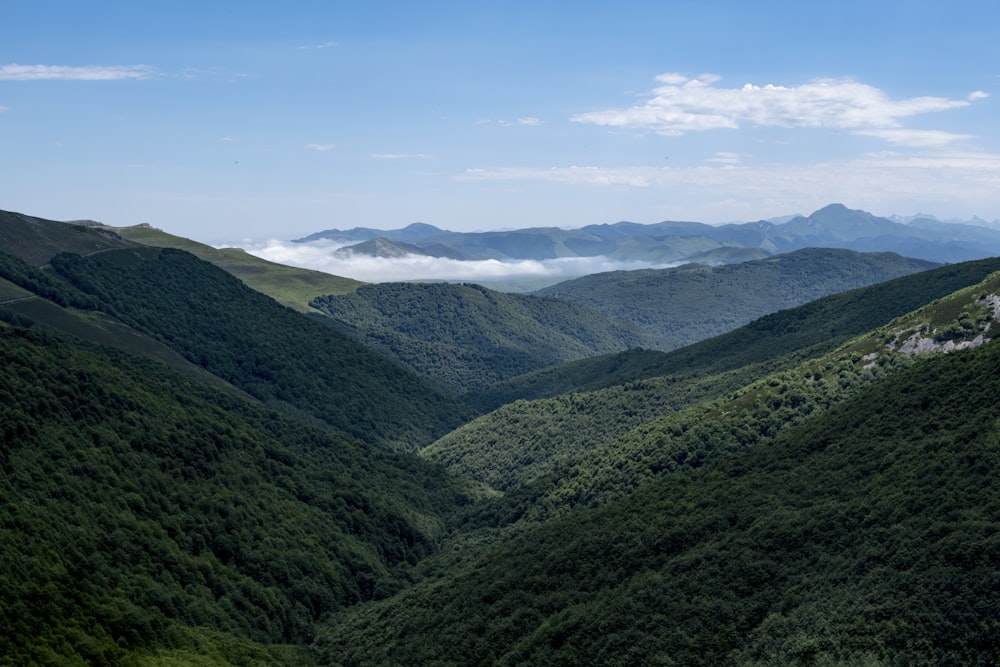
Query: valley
788,458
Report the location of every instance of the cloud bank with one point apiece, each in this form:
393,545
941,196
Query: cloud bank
320,256
681,105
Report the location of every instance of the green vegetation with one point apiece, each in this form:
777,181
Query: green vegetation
265,349
36,240
466,336
137,502
865,535
692,303
289,286
193,474
780,339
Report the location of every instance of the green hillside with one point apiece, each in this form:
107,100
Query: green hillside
244,337
141,509
289,286
865,535
466,336
194,474
811,329
36,240
586,448
692,302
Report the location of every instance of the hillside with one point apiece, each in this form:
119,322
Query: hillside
465,337
690,303
194,474
860,533
811,329
242,336
143,509
289,286
37,240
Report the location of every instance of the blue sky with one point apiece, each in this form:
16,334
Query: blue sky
256,120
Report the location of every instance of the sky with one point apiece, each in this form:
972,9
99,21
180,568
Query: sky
245,122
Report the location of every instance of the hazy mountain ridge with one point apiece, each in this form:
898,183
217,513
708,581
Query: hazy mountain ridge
833,226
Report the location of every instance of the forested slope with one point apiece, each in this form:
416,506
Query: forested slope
811,329
269,351
864,535
466,336
692,303
145,511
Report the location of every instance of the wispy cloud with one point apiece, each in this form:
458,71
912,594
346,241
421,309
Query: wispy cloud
16,72
725,157
321,256
886,181
322,45
681,105
529,121
914,138
321,147
400,156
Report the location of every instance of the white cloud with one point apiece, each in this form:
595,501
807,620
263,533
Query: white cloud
320,256
915,138
323,45
399,156
526,121
321,147
887,181
16,72
684,105
632,176
725,157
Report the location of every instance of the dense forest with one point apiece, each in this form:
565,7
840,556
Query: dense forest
468,337
693,302
194,474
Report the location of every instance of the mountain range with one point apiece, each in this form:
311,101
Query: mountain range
192,473
834,226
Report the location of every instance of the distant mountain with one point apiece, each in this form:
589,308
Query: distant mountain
387,248
693,302
834,226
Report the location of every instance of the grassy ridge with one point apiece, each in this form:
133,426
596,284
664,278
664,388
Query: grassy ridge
289,286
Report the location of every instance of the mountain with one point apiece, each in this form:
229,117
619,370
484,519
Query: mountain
386,248
193,474
465,337
672,242
37,240
290,286
813,328
143,508
217,323
842,512
693,302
